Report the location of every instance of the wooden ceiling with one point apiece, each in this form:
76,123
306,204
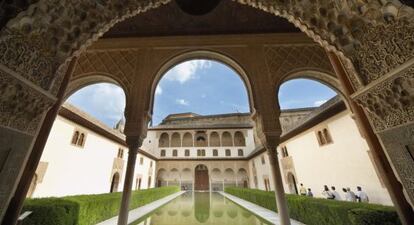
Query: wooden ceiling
227,18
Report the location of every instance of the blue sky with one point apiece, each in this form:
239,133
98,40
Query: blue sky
200,86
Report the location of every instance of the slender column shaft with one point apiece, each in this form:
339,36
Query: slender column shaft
278,186
126,194
16,203
393,186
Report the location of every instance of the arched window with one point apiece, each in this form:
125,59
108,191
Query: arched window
214,139
81,141
215,152
226,139
175,153
164,140
188,140
239,139
327,136
201,139
187,152
175,140
115,183
163,153
228,152
75,137
138,184
240,152
321,138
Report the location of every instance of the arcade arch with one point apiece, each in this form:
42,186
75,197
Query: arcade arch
332,38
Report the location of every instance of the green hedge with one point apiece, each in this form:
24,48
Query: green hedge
86,209
316,211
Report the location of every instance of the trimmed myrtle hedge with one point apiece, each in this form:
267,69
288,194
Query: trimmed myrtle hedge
316,211
87,209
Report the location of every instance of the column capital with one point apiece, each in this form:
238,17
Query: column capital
134,142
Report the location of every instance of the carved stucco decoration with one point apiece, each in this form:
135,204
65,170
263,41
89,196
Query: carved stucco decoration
331,23
396,142
390,103
382,49
49,32
282,60
21,107
120,65
21,54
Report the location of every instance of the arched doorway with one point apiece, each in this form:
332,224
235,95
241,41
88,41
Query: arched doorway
292,184
201,181
114,183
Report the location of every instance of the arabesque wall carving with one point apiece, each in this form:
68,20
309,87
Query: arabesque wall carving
121,64
21,107
391,102
281,60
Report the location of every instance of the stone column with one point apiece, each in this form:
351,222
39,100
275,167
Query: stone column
133,144
391,182
281,202
16,202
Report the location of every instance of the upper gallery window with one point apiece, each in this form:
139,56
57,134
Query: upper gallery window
215,152
187,152
163,153
175,153
228,152
120,153
324,137
240,152
78,138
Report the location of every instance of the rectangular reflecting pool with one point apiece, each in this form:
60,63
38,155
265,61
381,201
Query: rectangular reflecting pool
206,208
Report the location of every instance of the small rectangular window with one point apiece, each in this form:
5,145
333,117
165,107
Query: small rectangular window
215,152
187,152
141,160
263,160
228,152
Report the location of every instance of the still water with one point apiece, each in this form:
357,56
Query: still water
192,208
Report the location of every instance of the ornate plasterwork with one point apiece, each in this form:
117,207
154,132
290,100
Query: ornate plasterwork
49,32
390,103
396,143
119,64
382,49
282,60
22,55
21,107
332,23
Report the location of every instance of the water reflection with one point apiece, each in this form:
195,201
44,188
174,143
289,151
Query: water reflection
201,209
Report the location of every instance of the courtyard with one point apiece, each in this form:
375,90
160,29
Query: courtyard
206,112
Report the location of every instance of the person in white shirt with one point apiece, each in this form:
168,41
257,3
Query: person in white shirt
348,197
352,194
302,190
361,195
336,194
328,194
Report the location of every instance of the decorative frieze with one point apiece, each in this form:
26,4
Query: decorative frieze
382,49
21,107
282,60
390,103
23,55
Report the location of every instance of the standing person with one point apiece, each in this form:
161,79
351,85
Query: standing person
310,194
328,194
348,197
352,194
302,190
361,195
336,194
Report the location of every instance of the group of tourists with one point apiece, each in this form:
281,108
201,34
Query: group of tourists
349,195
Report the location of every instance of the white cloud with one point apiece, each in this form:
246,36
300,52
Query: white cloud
319,103
103,101
187,70
182,102
158,90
